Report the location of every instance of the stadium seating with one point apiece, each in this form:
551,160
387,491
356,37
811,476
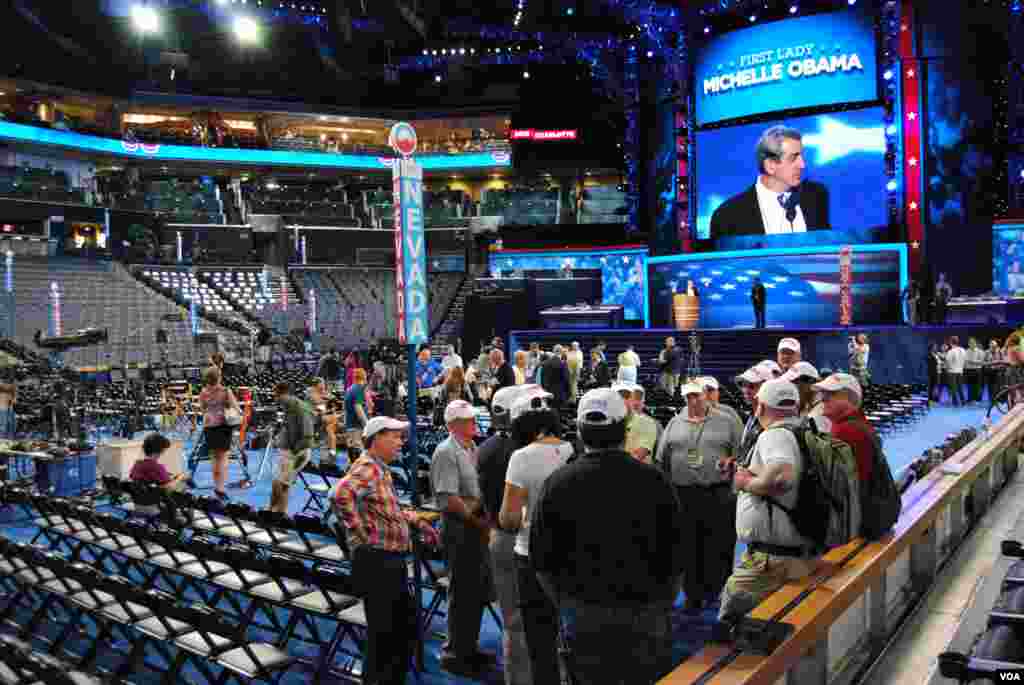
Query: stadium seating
603,205
519,206
39,184
101,295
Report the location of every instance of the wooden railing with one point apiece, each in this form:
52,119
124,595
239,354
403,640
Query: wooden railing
850,614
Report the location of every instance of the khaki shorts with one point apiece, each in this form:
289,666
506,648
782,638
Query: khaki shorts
289,465
756,576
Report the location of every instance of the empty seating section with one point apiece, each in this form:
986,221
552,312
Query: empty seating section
603,205
185,201
190,287
39,184
441,209
101,295
307,205
521,206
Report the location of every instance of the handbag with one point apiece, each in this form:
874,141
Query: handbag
232,415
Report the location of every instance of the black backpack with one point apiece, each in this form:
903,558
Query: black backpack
330,368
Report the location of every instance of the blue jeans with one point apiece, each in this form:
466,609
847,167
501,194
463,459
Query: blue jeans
8,423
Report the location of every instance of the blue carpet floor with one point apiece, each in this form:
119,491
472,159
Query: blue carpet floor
691,631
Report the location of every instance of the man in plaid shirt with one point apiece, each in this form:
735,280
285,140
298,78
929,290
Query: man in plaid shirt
379,536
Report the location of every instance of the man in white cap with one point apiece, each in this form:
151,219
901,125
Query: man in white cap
641,429
379,537
776,552
494,455
454,482
788,353
712,395
750,382
696,441
840,400
803,375
619,600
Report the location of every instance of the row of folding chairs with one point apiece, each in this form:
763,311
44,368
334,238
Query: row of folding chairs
23,665
256,589
99,614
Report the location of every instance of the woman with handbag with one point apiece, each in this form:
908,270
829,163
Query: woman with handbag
221,414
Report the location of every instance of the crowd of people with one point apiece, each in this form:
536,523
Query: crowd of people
524,508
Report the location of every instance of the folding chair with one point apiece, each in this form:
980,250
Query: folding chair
319,492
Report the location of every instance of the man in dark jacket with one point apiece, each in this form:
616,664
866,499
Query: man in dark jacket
555,377
618,601
502,374
294,443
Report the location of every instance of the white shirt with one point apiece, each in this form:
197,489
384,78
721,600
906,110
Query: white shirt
955,359
774,215
451,361
528,468
629,358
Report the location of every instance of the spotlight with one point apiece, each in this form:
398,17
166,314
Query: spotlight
570,11
887,75
891,186
851,3
247,30
752,18
891,129
435,53
793,9
707,29
472,51
650,54
425,52
526,74
437,78
444,51
146,19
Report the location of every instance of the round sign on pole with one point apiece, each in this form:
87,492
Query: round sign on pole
402,139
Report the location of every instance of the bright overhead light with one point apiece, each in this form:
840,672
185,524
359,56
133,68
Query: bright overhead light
146,19
526,74
247,30
437,78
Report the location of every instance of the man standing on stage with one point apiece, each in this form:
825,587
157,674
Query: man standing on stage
379,536
758,297
671,362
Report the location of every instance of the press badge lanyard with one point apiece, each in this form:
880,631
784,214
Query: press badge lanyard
693,457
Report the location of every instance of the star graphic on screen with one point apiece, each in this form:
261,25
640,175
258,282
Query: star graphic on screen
729,286
910,73
903,27
915,244
912,115
913,206
836,139
912,161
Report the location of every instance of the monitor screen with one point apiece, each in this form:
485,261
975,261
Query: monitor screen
811,61
842,197
1008,259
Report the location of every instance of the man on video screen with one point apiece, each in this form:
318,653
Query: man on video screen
780,201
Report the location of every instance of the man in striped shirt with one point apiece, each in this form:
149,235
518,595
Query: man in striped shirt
379,536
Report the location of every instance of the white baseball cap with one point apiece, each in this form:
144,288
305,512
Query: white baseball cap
691,389
779,394
601,407
382,423
532,400
458,409
708,382
801,370
840,381
501,403
627,386
772,366
791,344
754,375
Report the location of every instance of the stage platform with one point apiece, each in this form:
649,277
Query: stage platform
898,353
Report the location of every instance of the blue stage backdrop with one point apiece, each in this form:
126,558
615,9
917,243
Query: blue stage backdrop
817,60
1008,258
845,153
802,286
623,272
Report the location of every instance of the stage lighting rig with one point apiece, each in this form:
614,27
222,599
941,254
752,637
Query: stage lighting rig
80,338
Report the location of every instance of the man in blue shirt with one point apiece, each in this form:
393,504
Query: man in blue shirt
427,370
356,415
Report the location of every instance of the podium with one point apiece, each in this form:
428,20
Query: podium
686,311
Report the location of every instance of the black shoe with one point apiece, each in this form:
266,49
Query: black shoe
484,660
221,495
693,606
460,667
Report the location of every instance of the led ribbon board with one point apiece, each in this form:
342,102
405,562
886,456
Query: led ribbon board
282,158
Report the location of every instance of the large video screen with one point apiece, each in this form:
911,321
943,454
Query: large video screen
812,61
1008,259
623,272
802,286
842,195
